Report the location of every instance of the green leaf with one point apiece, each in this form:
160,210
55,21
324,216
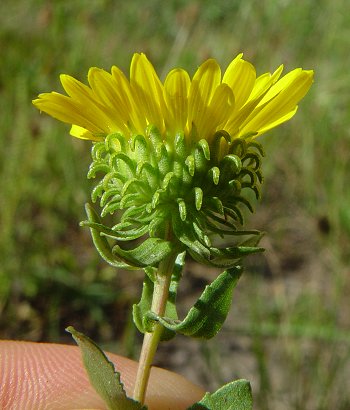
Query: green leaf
102,375
236,395
208,314
149,253
140,310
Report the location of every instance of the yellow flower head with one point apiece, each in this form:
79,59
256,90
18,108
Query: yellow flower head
237,102
176,158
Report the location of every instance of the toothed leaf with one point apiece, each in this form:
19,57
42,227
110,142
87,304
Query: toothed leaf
102,374
208,314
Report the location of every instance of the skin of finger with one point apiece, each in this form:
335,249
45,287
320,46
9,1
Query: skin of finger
52,377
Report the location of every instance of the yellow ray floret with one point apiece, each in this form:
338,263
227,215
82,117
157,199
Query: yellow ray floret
238,101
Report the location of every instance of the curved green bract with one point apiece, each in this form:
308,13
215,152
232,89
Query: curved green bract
199,247
149,253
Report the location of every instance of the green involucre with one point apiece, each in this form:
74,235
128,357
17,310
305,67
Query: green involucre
196,189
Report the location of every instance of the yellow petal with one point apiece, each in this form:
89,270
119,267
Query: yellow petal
76,89
100,98
84,134
282,84
103,86
280,102
203,86
237,118
65,109
240,76
261,86
279,121
205,81
137,119
176,89
264,82
148,90
105,91
218,111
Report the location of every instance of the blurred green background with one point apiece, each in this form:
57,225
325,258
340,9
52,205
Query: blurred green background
289,329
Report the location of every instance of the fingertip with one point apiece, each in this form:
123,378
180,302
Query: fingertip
51,376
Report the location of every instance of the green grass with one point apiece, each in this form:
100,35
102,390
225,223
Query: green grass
294,320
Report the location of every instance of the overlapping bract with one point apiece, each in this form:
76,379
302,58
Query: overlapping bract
155,184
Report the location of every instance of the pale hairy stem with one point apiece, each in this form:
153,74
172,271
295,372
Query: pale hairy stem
151,340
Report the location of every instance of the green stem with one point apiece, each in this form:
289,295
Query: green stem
151,340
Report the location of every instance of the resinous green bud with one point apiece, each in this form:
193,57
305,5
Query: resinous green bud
177,182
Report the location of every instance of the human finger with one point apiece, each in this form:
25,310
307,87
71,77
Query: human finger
52,377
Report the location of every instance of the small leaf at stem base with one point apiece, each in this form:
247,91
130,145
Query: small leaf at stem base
236,395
